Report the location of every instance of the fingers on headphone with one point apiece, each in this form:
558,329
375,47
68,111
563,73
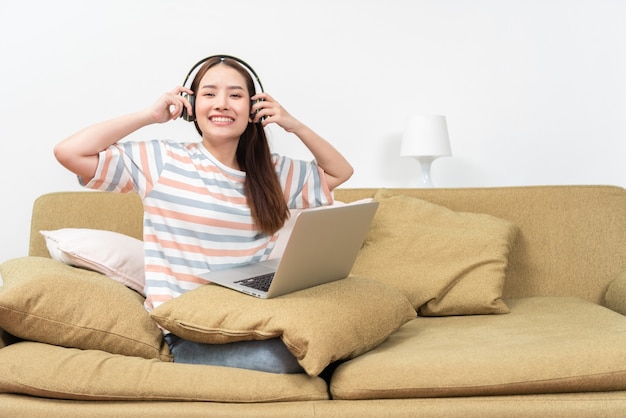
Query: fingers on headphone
181,90
187,107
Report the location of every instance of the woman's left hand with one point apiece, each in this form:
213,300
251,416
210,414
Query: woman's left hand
267,110
336,168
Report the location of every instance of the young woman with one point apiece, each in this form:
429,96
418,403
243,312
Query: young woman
211,204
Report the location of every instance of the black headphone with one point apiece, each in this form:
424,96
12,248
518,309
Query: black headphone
192,97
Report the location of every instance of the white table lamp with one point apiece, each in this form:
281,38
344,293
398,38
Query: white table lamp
426,138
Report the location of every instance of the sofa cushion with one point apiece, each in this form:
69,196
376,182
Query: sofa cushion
115,255
319,325
545,345
446,262
49,371
48,301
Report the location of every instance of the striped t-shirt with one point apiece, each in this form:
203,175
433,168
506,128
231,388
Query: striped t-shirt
196,217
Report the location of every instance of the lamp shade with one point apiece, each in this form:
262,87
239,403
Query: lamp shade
426,135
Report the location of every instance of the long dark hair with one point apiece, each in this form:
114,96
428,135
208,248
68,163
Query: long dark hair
263,191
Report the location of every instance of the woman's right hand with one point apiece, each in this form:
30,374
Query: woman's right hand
79,152
170,105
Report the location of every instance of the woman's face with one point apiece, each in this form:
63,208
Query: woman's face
222,104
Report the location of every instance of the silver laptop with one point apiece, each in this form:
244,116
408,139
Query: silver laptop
322,247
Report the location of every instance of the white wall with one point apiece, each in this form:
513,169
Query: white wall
534,90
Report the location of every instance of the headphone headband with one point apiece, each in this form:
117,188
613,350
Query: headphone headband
223,57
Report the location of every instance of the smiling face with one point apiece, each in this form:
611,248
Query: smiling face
222,107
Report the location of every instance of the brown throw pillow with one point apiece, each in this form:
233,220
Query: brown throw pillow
47,301
319,325
445,262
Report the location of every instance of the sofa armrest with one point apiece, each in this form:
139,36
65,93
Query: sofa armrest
3,334
615,297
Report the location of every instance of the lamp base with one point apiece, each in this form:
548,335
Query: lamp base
425,163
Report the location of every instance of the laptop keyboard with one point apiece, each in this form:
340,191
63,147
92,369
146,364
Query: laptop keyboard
261,282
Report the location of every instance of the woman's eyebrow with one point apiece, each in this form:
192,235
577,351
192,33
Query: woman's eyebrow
212,86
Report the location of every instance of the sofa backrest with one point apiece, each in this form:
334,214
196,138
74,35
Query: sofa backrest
572,239
116,212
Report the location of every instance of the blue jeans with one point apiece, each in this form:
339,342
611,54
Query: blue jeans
267,355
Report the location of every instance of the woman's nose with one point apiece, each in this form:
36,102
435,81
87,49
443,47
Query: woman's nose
221,101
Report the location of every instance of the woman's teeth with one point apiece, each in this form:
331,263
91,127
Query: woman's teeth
221,119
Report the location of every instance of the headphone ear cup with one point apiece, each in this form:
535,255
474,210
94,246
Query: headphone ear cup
185,115
253,114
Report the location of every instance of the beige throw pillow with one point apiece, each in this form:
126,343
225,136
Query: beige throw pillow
47,301
445,262
319,325
115,255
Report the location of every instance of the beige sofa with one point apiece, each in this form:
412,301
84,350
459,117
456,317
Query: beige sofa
512,286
